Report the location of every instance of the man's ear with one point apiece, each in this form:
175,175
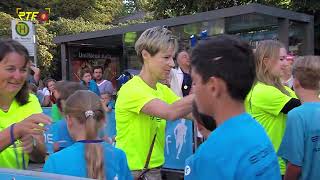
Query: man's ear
217,86
212,85
145,54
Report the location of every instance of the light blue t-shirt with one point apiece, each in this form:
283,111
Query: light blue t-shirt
301,141
110,128
58,133
238,149
71,161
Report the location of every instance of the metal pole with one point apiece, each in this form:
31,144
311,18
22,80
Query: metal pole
35,45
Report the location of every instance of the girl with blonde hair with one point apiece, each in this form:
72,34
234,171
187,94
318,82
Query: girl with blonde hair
90,156
269,100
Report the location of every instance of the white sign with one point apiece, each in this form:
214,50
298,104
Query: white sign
23,32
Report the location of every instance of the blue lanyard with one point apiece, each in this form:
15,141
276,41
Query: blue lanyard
90,141
15,148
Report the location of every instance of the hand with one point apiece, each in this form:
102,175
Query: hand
103,102
35,69
30,125
29,142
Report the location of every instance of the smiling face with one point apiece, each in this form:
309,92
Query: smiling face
160,64
13,74
51,85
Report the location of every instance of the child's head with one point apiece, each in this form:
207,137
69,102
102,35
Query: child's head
59,87
106,97
50,84
85,75
85,108
306,72
269,57
85,116
222,67
64,89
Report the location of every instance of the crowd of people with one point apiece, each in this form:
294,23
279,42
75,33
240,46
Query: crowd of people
258,111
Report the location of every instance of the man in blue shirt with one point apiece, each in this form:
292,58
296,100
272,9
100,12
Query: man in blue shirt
300,146
223,73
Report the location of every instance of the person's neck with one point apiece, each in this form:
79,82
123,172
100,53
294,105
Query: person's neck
80,135
147,77
222,114
99,81
85,83
5,102
286,78
185,69
306,95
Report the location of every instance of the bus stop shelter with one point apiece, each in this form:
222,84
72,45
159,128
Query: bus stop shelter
252,22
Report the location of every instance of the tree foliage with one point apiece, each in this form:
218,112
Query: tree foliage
65,26
45,51
67,17
5,25
172,8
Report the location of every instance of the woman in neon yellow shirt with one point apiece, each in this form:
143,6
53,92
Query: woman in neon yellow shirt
143,104
269,100
20,132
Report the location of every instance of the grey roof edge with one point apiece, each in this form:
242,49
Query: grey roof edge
209,15
282,13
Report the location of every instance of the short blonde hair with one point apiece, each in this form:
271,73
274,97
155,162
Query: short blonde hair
154,40
306,69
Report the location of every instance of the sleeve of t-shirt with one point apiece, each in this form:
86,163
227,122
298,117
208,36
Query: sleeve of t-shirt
270,99
133,99
292,146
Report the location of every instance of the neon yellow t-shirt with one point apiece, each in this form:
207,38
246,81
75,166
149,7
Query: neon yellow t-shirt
135,130
265,103
16,113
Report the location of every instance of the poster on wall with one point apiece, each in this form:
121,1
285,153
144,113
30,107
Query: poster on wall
111,67
178,143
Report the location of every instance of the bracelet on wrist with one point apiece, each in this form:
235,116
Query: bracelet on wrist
12,138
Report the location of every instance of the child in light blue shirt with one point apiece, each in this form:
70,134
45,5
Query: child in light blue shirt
90,156
300,146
